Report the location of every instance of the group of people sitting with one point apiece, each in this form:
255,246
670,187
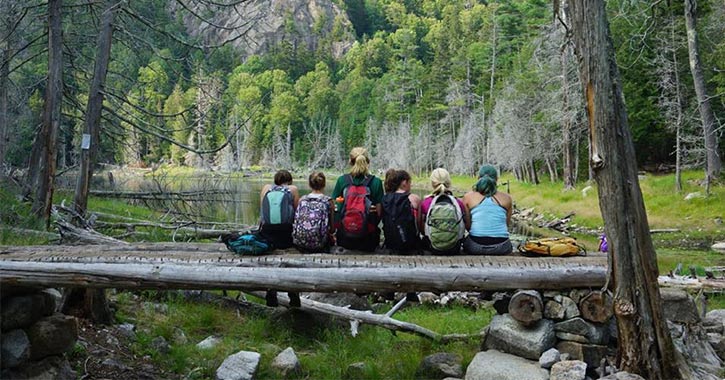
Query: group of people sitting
360,201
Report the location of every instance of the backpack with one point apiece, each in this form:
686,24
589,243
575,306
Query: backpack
278,206
399,224
558,247
443,222
356,208
312,223
249,243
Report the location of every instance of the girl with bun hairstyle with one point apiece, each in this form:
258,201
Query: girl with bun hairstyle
358,197
490,216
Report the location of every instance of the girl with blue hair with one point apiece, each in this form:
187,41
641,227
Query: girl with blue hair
490,211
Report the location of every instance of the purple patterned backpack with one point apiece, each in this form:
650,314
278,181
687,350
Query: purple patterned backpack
312,223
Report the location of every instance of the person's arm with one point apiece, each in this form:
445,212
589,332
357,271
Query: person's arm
295,195
331,224
508,205
466,216
264,191
376,196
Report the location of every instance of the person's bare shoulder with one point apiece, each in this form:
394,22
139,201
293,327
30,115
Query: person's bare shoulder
504,198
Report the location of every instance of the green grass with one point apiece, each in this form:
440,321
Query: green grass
325,352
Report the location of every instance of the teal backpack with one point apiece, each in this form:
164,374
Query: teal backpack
249,243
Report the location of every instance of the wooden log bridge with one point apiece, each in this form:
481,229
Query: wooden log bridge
212,266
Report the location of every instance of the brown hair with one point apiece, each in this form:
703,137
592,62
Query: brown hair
394,178
317,181
282,177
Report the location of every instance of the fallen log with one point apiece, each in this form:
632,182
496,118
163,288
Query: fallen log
692,283
527,307
331,279
596,307
368,317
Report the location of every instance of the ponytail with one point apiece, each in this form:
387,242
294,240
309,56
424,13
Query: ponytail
440,179
487,177
359,161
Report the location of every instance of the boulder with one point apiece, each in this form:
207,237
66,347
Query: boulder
594,333
15,348
440,365
50,368
549,357
356,371
287,363
208,343
160,345
52,335
127,330
717,341
507,335
679,306
714,321
571,310
591,354
495,365
569,370
240,366
23,311
179,337
554,310
622,376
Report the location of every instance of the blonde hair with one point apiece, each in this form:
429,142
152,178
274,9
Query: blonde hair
359,160
440,179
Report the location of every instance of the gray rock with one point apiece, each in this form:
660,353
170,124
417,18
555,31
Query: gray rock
549,357
160,345
594,333
613,330
679,306
554,310
55,295
719,247
507,335
717,341
551,293
440,365
591,354
15,348
355,371
495,365
569,370
287,363
622,376
23,311
240,366
570,308
114,365
50,368
714,321
156,307
572,337
564,356
179,337
427,297
127,330
208,343
52,335
576,295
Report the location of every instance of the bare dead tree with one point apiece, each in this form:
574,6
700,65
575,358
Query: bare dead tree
645,345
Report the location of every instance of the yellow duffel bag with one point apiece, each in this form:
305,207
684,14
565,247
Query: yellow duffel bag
557,247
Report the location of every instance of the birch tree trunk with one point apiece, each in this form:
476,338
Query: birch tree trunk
712,171
47,139
92,125
645,346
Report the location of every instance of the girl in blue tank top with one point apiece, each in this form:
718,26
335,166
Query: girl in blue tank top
490,216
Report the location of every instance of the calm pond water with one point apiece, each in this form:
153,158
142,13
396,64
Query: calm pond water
216,198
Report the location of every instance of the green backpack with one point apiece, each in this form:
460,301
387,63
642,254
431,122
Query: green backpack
443,222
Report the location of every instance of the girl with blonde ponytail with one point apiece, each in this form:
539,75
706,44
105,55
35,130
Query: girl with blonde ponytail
435,236
490,216
348,204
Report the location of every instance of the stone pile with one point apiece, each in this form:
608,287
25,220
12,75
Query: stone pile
34,335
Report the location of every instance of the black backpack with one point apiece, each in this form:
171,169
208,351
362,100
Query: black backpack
399,226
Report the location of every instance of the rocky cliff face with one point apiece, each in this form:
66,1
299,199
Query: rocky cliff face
255,26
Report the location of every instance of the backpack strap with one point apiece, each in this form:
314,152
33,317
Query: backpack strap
367,180
348,179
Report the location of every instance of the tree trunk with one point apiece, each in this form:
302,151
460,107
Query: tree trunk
92,125
708,118
527,307
645,345
48,136
490,91
568,146
88,304
4,75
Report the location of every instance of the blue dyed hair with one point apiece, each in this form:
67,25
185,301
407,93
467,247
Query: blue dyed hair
487,177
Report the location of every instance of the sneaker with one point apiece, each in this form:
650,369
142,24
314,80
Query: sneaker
271,298
294,299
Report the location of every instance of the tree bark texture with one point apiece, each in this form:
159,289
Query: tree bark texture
48,136
6,53
568,145
596,307
527,307
92,125
714,163
645,346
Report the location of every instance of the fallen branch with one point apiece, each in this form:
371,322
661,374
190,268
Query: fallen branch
374,319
